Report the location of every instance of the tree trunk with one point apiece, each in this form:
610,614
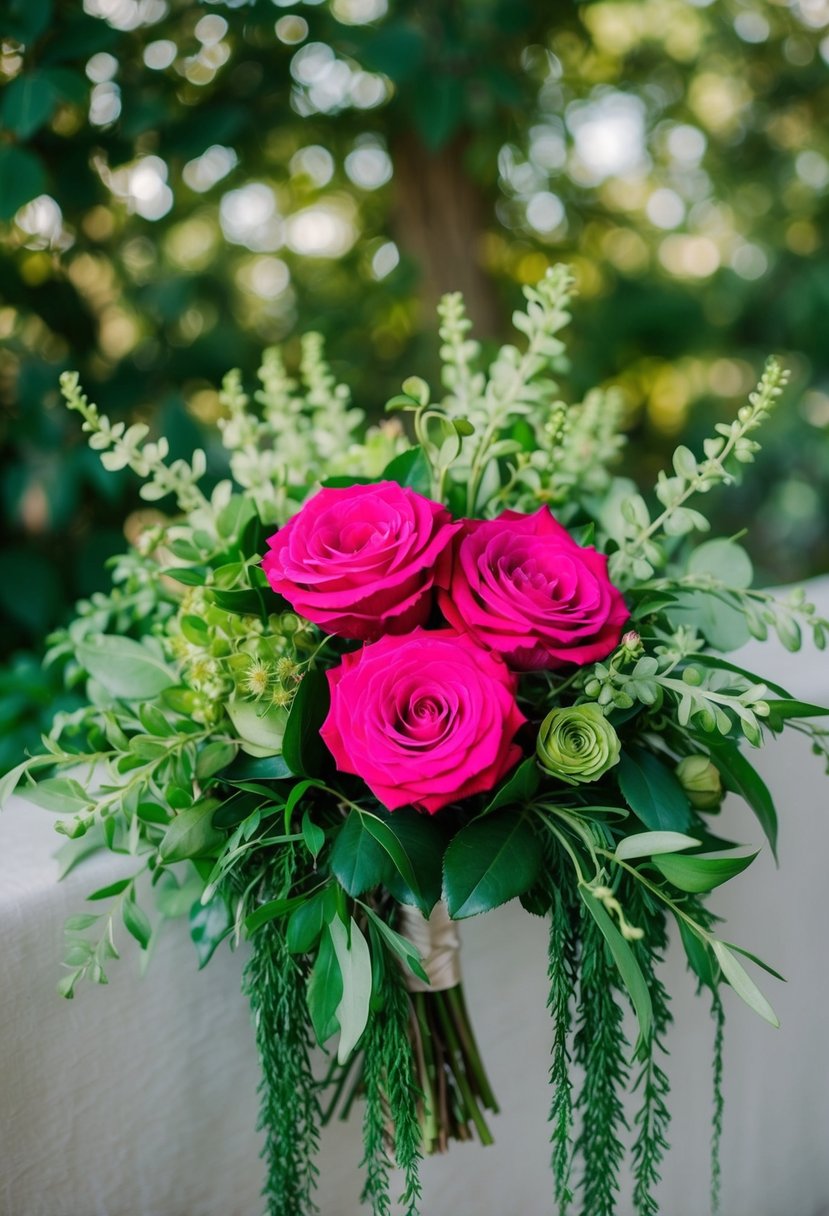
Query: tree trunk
440,215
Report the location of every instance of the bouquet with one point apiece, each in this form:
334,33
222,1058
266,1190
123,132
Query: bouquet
368,688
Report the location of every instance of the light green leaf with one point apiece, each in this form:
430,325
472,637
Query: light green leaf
723,560
646,844
215,756
354,959
743,984
60,794
210,924
701,873
191,833
625,960
124,668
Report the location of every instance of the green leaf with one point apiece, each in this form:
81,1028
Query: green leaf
723,560
758,961
191,833
519,787
313,835
249,601
422,841
137,923
210,924
124,668
698,872
722,623
110,891
720,664
272,910
652,791
325,990
60,794
235,516
625,961
358,861
646,844
743,984
22,178
698,954
489,862
399,945
258,768
306,922
788,708
351,949
81,921
740,777
410,468
302,747
29,101
215,756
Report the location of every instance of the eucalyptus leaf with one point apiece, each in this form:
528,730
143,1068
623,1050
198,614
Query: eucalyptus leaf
725,561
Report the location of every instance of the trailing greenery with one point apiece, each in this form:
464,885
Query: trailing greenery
600,1050
562,973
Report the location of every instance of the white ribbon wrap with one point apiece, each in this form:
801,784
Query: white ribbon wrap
438,943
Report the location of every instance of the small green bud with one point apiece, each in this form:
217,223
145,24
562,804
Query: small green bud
701,781
692,676
577,744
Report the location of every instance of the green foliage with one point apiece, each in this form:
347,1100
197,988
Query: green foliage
489,862
600,1053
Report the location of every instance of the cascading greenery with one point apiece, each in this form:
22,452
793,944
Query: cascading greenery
197,754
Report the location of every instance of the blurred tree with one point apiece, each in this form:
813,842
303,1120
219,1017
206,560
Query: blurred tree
183,183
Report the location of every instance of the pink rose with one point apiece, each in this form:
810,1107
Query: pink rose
360,561
522,586
424,720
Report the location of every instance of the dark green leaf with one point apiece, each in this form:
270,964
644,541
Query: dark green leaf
22,178
695,872
740,777
257,768
325,990
313,835
358,861
625,960
411,469
652,791
272,910
415,846
489,862
518,788
306,923
698,955
29,101
302,747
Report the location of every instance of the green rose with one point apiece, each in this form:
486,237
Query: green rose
577,744
701,781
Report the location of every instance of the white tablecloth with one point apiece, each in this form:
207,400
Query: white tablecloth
140,1099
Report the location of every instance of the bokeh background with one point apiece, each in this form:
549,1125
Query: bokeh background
182,184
